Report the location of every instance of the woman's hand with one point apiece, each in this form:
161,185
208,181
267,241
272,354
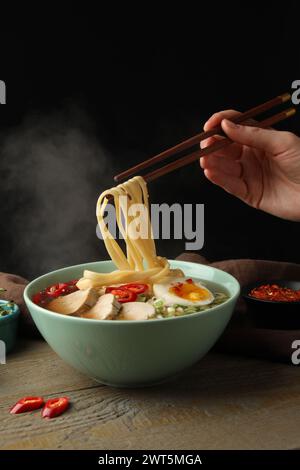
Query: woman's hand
261,167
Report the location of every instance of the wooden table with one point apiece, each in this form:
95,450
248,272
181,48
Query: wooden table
224,402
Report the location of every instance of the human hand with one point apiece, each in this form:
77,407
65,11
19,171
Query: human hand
261,166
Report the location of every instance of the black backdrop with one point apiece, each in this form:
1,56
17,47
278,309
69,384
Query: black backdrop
90,94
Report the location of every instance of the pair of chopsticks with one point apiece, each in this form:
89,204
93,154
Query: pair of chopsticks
196,139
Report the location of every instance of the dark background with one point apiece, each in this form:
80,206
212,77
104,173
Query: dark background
89,95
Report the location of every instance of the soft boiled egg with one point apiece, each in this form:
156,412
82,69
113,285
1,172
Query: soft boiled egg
183,291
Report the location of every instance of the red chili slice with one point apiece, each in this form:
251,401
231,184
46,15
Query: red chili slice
27,404
57,289
134,287
55,407
123,295
72,286
38,298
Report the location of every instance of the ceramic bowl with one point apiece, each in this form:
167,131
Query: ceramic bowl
133,353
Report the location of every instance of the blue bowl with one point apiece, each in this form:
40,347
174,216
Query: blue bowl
8,327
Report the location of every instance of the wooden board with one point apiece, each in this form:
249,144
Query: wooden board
224,402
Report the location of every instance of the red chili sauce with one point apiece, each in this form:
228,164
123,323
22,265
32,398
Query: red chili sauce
275,293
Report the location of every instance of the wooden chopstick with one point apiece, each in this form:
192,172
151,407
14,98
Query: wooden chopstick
212,148
196,139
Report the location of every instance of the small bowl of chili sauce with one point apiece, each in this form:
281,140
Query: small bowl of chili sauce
273,304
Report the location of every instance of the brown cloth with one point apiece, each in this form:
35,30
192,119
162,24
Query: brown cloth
15,286
240,337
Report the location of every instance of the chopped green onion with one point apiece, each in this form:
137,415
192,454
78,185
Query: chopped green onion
158,303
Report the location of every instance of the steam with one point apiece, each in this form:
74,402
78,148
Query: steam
52,170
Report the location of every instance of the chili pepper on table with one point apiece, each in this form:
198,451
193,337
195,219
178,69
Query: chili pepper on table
27,404
55,407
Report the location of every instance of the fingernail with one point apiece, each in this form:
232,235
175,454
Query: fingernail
231,124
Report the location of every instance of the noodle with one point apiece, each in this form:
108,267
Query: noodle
140,263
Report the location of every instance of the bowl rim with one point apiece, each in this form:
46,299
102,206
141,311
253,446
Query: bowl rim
251,286
11,316
44,311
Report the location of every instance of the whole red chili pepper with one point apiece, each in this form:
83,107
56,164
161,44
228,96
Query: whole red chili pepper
55,407
27,404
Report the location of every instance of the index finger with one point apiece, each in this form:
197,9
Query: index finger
217,118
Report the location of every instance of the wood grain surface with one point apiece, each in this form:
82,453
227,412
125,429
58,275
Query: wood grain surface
224,402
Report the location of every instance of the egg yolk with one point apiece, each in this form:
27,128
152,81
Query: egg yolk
189,291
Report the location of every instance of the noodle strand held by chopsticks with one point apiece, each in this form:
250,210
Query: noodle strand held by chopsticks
140,263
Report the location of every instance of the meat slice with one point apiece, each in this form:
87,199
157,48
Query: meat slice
74,304
106,308
137,311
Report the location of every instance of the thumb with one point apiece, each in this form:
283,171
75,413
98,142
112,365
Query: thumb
268,140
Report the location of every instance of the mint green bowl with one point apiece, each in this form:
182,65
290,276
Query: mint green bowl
133,353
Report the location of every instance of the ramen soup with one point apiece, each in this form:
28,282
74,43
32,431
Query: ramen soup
133,301
144,286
